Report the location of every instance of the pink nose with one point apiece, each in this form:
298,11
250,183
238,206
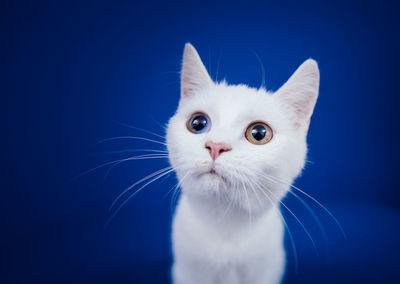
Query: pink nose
217,149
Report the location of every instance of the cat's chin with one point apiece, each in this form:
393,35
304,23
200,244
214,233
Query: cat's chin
215,176
208,181
212,180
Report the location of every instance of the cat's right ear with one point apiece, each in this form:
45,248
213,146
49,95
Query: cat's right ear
194,75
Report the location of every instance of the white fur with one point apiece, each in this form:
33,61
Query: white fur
227,227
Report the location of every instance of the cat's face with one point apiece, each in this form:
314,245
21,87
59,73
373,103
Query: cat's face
239,143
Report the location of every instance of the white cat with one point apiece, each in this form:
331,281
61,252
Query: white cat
236,150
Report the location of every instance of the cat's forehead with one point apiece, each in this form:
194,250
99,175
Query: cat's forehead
235,103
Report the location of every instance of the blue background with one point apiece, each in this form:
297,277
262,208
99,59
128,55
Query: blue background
74,68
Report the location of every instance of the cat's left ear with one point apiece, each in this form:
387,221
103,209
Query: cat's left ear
194,76
299,94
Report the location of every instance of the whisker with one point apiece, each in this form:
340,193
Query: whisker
176,190
140,129
232,199
135,150
161,125
166,177
295,256
216,73
254,191
136,183
310,162
301,224
319,203
296,261
174,198
291,212
315,217
175,186
310,210
248,204
133,194
263,84
140,157
132,137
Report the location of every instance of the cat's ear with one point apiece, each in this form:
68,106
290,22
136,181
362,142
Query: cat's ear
194,75
299,94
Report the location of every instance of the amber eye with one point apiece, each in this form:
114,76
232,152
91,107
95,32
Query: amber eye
258,133
198,123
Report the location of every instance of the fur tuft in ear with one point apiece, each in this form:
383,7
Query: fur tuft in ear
194,75
299,94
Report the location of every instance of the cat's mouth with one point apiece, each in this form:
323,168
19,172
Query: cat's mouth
213,173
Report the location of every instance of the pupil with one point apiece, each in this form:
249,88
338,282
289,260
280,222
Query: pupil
199,122
259,132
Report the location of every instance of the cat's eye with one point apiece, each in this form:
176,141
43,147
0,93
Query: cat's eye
258,133
198,123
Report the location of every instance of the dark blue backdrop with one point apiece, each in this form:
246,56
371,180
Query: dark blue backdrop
72,69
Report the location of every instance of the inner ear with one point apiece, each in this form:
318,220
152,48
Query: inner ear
194,75
299,94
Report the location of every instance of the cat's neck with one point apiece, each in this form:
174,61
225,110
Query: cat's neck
223,216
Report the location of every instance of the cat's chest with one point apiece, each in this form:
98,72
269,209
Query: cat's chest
223,243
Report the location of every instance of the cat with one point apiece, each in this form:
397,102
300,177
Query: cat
236,151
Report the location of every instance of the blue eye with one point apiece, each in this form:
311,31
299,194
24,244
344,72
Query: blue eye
198,123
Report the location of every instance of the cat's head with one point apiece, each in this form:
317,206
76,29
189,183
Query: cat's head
240,143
